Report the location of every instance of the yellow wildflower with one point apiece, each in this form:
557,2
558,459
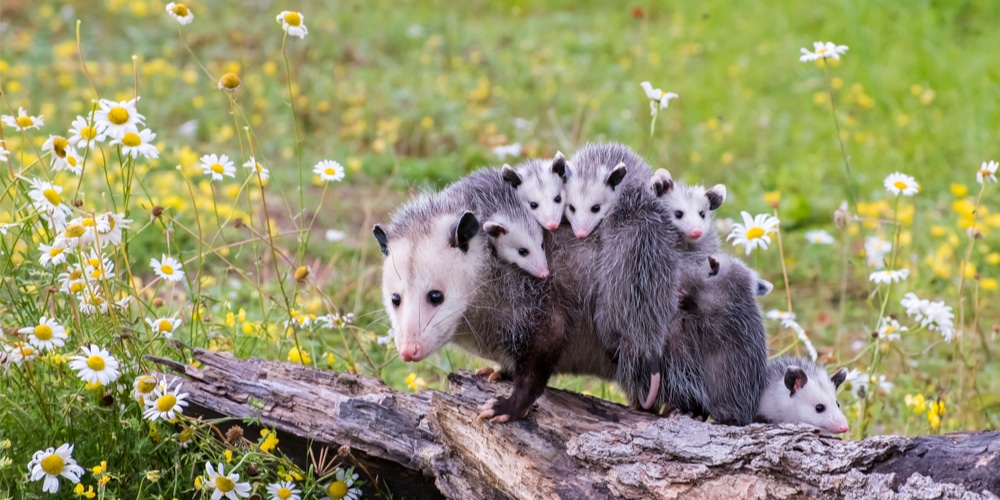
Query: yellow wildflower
299,356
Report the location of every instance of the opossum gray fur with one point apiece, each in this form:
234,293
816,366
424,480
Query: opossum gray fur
799,391
540,186
691,208
597,175
716,348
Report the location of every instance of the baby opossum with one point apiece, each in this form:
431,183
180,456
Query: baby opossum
691,210
716,348
597,176
512,230
799,391
540,186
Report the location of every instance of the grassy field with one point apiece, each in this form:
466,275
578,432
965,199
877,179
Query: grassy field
409,95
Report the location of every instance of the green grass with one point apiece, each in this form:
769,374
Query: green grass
411,95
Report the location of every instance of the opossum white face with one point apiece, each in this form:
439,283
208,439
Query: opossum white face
541,190
812,399
428,280
690,207
590,196
518,244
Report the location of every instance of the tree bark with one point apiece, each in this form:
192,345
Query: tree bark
428,445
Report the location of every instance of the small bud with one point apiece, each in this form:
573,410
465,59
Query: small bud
234,434
157,302
229,82
75,231
772,198
344,451
301,273
77,203
874,335
157,211
253,470
974,233
153,476
239,223
841,215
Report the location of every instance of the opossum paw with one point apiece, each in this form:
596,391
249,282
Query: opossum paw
486,410
495,377
498,411
485,371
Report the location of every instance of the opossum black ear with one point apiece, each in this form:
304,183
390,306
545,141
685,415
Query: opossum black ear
381,238
616,176
839,377
510,176
716,196
764,287
795,379
494,229
713,266
559,165
661,182
463,230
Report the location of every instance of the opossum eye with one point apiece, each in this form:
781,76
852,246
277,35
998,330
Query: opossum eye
396,299
702,214
595,208
523,252
533,205
572,209
679,214
558,198
435,297
820,408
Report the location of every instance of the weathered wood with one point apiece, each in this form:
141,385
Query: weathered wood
428,445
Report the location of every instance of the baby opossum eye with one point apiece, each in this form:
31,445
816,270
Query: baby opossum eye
435,297
558,198
396,299
572,209
679,214
533,205
523,252
820,408
702,214
595,208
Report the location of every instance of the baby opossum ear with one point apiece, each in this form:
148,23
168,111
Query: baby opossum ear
661,182
510,176
713,266
839,377
616,176
381,238
764,287
494,229
795,379
463,230
716,196
559,165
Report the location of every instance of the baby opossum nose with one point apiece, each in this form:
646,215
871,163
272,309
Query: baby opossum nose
543,273
410,352
550,225
842,429
581,234
695,233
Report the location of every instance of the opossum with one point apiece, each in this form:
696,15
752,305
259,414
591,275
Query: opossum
512,230
541,187
635,281
716,348
799,391
691,210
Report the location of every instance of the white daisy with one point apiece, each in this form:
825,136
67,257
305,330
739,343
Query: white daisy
858,381
72,162
333,235
875,251
931,315
252,163
167,268
987,172
96,366
754,232
885,277
73,281
91,302
225,485
54,462
889,329
658,99
3,152
883,384
23,121
6,227
293,23
47,335
117,118
180,12
341,487
98,267
18,352
56,146
217,166
901,184
822,50
164,403
285,490
47,197
164,325
329,170
84,134
143,387
819,237
512,150
135,143
110,226
54,254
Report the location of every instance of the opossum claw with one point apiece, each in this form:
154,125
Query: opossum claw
485,371
487,410
495,376
654,389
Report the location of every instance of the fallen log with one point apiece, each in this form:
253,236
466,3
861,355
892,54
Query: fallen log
429,445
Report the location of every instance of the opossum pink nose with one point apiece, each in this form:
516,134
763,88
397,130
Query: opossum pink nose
410,352
544,273
695,233
551,225
582,234
842,428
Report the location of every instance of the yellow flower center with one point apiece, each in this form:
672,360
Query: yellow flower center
821,51
284,493
75,231
166,326
293,18
900,185
755,232
88,223
147,384
25,121
76,288
167,269
337,489
52,195
88,132
71,160
95,363
985,172
224,484
118,115
97,273
27,350
181,10
217,168
111,221
166,402
230,81
131,139
329,171
43,332
94,262
55,251
59,146
76,274
53,465
259,168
